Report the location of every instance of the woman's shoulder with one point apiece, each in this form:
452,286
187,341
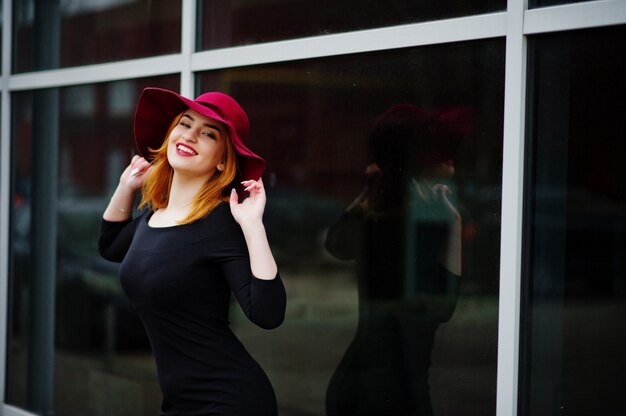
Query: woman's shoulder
222,233
221,212
221,219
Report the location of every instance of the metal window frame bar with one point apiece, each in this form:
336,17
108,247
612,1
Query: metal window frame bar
584,15
5,188
509,299
188,46
430,33
515,24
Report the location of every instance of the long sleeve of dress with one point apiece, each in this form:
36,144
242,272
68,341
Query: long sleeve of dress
263,301
345,235
115,238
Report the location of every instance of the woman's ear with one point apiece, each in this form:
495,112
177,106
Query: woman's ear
220,166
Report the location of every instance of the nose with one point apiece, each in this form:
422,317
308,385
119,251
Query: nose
189,137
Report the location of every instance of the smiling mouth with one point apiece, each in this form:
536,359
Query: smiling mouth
185,150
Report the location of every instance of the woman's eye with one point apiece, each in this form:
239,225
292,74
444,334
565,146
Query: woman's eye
182,123
209,134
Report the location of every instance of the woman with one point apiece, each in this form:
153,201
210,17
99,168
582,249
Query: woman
404,232
194,245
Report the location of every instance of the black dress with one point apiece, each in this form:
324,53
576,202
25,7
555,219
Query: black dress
404,295
179,280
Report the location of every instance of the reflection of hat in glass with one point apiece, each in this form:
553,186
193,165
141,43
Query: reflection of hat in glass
405,133
157,108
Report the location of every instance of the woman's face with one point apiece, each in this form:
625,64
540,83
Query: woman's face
196,146
442,170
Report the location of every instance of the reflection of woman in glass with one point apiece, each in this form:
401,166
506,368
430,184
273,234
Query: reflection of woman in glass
405,234
194,245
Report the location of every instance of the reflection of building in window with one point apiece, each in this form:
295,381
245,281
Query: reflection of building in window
90,31
121,98
79,101
26,10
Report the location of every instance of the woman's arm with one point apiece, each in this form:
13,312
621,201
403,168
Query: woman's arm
116,229
249,216
120,207
253,276
450,254
115,238
262,300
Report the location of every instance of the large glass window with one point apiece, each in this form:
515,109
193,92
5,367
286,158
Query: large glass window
225,23
75,345
376,321
575,269
57,34
546,3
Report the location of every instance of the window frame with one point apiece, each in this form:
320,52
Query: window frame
514,24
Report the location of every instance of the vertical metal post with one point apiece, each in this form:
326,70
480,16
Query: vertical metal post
188,46
5,191
512,211
40,397
43,253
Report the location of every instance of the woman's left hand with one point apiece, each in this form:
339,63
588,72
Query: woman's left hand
252,208
440,193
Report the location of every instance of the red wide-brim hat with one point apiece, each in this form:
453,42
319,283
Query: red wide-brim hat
427,138
157,108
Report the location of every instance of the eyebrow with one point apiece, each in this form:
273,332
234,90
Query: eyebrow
211,126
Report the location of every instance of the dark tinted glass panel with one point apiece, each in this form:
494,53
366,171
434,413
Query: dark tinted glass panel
75,345
56,34
375,315
546,3
228,23
575,269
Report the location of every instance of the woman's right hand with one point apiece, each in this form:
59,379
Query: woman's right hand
134,175
120,207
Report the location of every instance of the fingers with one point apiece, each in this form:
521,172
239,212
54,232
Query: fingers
372,169
138,166
234,198
250,210
440,193
134,174
251,185
440,190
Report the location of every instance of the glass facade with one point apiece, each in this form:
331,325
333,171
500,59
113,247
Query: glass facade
391,170
576,226
226,23
548,3
74,341
59,34
363,294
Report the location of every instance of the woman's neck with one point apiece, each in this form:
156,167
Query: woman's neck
183,191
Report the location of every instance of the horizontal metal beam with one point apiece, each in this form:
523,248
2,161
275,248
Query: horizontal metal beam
90,74
575,16
419,34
